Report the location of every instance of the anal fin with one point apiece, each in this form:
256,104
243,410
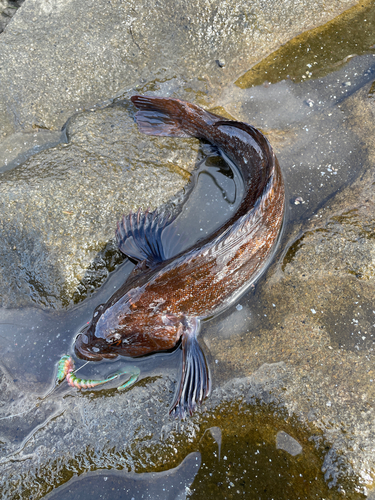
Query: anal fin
195,382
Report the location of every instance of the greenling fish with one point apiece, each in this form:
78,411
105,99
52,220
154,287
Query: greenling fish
168,293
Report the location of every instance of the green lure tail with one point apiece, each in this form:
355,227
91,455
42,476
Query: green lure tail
65,369
64,366
134,371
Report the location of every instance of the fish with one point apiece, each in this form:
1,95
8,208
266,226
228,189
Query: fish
170,292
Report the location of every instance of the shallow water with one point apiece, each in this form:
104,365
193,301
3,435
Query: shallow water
113,485
261,455
311,124
318,52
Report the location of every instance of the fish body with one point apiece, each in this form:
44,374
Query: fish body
168,294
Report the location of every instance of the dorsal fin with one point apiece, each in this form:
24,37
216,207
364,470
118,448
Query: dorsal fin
139,236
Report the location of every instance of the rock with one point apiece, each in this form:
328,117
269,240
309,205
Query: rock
287,443
295,358
73,56
58,210
278,355
55,220
132,431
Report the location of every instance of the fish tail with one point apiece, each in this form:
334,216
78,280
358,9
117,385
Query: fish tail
195,383
171,117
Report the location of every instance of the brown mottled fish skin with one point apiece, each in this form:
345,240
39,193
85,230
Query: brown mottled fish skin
166,296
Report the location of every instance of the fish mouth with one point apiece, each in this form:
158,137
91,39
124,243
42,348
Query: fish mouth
83,351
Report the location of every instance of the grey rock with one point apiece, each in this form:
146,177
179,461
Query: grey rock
73,56
59,209
55,235
315,310
119,431
284,356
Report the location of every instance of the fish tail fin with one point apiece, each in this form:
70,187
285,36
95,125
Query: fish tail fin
171,117
195,383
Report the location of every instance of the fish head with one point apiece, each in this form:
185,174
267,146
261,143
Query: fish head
128,328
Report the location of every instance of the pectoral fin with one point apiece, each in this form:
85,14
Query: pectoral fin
195,383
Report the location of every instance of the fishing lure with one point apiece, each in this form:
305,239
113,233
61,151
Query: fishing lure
65,369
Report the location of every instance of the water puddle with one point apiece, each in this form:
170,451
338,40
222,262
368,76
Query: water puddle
114,485
263,456
318,52
18,147
260,453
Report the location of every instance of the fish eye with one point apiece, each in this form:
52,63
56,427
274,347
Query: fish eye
97,310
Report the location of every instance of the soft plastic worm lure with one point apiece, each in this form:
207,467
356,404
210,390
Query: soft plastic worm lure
64,366
65,369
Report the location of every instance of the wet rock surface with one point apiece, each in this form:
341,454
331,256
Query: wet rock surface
59,209
301,341
76,55
294,356
81,428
